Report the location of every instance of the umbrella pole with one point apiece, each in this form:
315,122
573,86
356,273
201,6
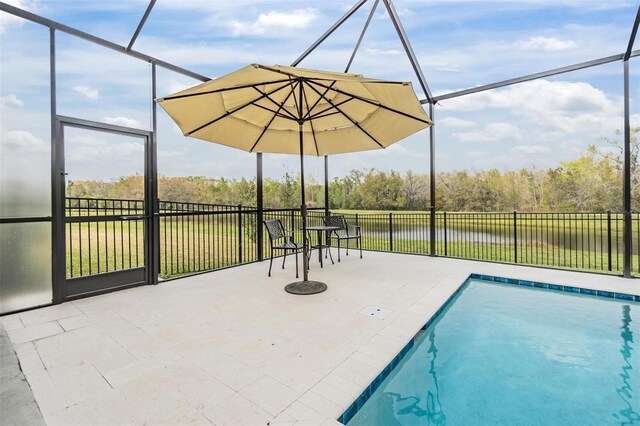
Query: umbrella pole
305,286
303,211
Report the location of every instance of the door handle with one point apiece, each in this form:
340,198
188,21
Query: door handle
133,217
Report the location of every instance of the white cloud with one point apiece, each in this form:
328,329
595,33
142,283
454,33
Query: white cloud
175,129
548,44
608,150
454,122
381,52
8,21
531,149
21,142
123,121
10,99
88,92
273,22
492,132
170,154
176,86
395,149
86,149
538,95
558,108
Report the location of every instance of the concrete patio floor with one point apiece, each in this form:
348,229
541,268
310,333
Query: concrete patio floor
232,348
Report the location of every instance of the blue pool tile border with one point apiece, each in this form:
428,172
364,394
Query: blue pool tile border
375,384
558,287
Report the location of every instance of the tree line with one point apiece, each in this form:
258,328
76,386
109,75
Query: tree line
591,183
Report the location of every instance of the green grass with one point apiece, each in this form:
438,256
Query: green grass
189,245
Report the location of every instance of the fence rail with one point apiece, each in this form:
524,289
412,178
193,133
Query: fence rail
108,234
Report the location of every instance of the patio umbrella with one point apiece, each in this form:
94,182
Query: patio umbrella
287,110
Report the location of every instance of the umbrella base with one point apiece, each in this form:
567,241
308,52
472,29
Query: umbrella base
305,287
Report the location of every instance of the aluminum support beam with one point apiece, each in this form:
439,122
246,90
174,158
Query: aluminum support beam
154,204
58,267
330,31
4,7
141,24
632,38
259,207
530,77
395,19
326,185
626,187
432,185
364,30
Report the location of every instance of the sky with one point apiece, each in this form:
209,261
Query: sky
459,43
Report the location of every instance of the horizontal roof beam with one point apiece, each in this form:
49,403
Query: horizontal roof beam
97,40
530,77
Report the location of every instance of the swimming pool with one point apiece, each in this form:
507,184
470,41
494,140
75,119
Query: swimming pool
514,355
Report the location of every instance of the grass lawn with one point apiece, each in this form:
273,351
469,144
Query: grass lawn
191,244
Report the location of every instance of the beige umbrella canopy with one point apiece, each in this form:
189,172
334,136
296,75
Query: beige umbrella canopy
289,110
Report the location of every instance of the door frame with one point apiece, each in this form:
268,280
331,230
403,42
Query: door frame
58,172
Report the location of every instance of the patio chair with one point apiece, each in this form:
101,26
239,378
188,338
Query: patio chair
345,231
277,232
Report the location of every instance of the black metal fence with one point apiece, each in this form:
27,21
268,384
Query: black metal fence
584,241
107,235
103,235
195,239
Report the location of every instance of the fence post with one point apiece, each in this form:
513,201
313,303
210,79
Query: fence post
445,233
515,238
390,232
609,238
239,233
292,228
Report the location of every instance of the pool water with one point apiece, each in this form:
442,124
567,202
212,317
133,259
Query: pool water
511,355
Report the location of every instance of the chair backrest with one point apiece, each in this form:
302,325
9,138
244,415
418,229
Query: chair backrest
274,228
336,220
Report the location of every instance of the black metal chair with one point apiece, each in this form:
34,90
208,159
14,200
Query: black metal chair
345,231
276,232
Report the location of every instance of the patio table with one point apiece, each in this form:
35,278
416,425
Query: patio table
319,230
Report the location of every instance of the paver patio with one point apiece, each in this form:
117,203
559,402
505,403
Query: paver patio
231,347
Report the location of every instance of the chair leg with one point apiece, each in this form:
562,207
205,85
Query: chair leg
296,263
330,255
270,262
338,249
348,247
360,246
284,258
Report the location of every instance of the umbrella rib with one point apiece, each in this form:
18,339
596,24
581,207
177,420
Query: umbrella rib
360,98
329,114
313,132
276,113
318,101
279,105
269,123
225,89
228,113
321,114
294,86
350,119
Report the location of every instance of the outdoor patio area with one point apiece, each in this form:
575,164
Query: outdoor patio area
232,347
